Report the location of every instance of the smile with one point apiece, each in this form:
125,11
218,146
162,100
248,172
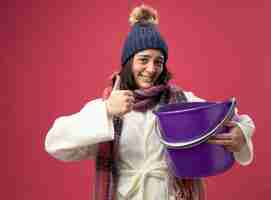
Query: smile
147,79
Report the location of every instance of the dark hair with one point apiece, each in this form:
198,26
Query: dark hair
128,81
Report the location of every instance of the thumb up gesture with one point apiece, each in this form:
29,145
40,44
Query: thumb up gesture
119,102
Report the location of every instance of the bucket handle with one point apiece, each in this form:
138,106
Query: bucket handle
205,137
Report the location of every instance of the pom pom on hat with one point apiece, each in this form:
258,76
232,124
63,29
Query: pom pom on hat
143,14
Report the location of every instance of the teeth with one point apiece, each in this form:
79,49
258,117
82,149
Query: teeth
146,78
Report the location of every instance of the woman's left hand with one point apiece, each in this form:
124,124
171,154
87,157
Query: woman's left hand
232,141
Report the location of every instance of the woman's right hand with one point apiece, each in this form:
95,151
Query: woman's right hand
119,102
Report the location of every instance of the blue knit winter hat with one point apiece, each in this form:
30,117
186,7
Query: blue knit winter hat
144,34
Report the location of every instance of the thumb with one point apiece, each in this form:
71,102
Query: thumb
117,83
230,124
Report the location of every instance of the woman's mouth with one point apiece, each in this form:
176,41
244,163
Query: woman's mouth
147,79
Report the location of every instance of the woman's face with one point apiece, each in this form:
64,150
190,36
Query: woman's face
147,66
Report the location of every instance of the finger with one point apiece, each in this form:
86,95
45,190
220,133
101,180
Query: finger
131,106
230,124
220,142
226,144
130,99
222,136
117,83
128,108
128,93
232,148
229,148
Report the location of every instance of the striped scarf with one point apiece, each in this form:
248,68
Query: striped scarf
105,185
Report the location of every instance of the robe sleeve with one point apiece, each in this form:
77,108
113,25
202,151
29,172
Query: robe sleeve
75,137
246,124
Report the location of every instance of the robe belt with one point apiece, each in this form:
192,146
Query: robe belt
138,178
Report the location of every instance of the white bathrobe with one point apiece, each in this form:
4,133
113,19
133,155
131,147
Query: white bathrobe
143,169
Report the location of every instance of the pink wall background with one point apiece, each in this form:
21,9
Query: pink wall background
56,55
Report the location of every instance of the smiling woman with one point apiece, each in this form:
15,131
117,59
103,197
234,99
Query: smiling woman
147,67
139,66
118,130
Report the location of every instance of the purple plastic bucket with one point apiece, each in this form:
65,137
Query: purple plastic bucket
184,129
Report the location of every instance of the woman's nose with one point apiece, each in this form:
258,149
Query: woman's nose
151,67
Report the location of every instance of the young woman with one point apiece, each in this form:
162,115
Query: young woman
118,129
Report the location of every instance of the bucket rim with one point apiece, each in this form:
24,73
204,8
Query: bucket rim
203,138
157,112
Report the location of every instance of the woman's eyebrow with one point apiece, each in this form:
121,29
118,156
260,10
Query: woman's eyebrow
149,56
160,57
144,55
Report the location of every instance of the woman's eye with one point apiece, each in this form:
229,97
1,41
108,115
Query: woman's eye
158,63
144,60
